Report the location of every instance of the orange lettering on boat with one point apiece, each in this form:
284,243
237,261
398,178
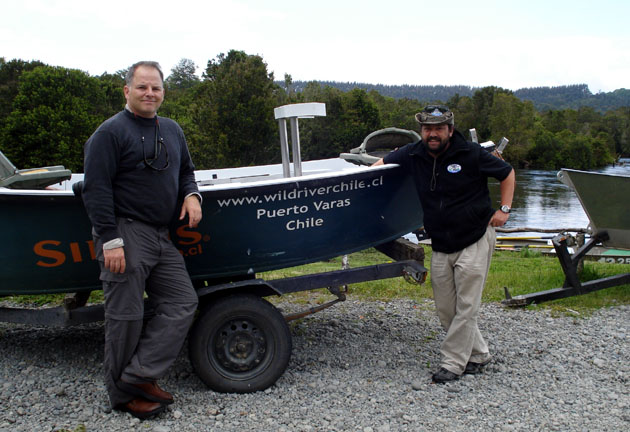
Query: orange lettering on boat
58,257
193,236
76,253
90,244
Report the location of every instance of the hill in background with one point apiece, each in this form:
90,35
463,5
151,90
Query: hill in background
543,98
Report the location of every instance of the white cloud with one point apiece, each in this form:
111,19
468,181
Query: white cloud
508,44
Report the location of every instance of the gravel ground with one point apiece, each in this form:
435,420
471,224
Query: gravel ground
359,366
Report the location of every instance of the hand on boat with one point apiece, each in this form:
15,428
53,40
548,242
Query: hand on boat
499,218
115,260
192,207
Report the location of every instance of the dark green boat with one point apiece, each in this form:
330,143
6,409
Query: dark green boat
254,220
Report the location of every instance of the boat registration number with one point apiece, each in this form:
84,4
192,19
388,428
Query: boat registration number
615,260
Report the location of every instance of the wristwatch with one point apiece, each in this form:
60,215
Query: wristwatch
505,209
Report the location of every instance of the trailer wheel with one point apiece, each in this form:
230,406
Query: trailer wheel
240,344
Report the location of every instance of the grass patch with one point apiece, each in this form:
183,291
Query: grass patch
373,290
524,274
38,300
521,272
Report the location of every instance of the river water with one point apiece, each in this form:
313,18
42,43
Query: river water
542,201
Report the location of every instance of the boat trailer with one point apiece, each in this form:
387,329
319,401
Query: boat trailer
570,266
408,263
240,342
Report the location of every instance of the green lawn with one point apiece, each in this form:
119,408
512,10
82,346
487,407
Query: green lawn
521,272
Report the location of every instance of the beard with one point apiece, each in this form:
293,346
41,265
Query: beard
436,145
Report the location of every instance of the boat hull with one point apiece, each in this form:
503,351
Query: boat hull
247,228
604,198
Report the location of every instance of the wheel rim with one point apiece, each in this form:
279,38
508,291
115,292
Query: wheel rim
240,349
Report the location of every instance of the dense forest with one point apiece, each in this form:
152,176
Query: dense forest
48,112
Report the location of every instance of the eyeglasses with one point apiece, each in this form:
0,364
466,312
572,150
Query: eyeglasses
157,150
431,108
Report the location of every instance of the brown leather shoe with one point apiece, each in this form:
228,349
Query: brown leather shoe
148,390
142,409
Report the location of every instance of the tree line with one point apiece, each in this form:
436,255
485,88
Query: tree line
404,91
48,112
544,98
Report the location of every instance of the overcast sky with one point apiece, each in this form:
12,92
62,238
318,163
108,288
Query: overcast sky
511,44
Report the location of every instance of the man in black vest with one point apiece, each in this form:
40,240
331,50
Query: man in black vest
451,177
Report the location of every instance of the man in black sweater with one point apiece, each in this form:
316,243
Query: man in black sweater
451,177
138,172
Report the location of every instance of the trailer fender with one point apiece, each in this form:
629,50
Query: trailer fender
259,287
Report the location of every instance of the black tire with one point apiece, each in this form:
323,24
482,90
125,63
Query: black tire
240,344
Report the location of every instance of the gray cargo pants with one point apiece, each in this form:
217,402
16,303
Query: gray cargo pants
154,265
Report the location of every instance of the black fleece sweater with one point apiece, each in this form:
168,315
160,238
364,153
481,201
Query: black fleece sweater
119,184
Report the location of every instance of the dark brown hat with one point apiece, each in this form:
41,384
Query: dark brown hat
435,115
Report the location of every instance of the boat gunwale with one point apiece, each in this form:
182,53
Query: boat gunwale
327,174
595,172
351,170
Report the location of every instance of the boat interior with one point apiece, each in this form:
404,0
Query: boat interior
378,144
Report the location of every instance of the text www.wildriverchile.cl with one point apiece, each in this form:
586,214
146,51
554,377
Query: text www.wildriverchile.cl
301,193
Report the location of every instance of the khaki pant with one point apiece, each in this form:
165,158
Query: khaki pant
458,279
